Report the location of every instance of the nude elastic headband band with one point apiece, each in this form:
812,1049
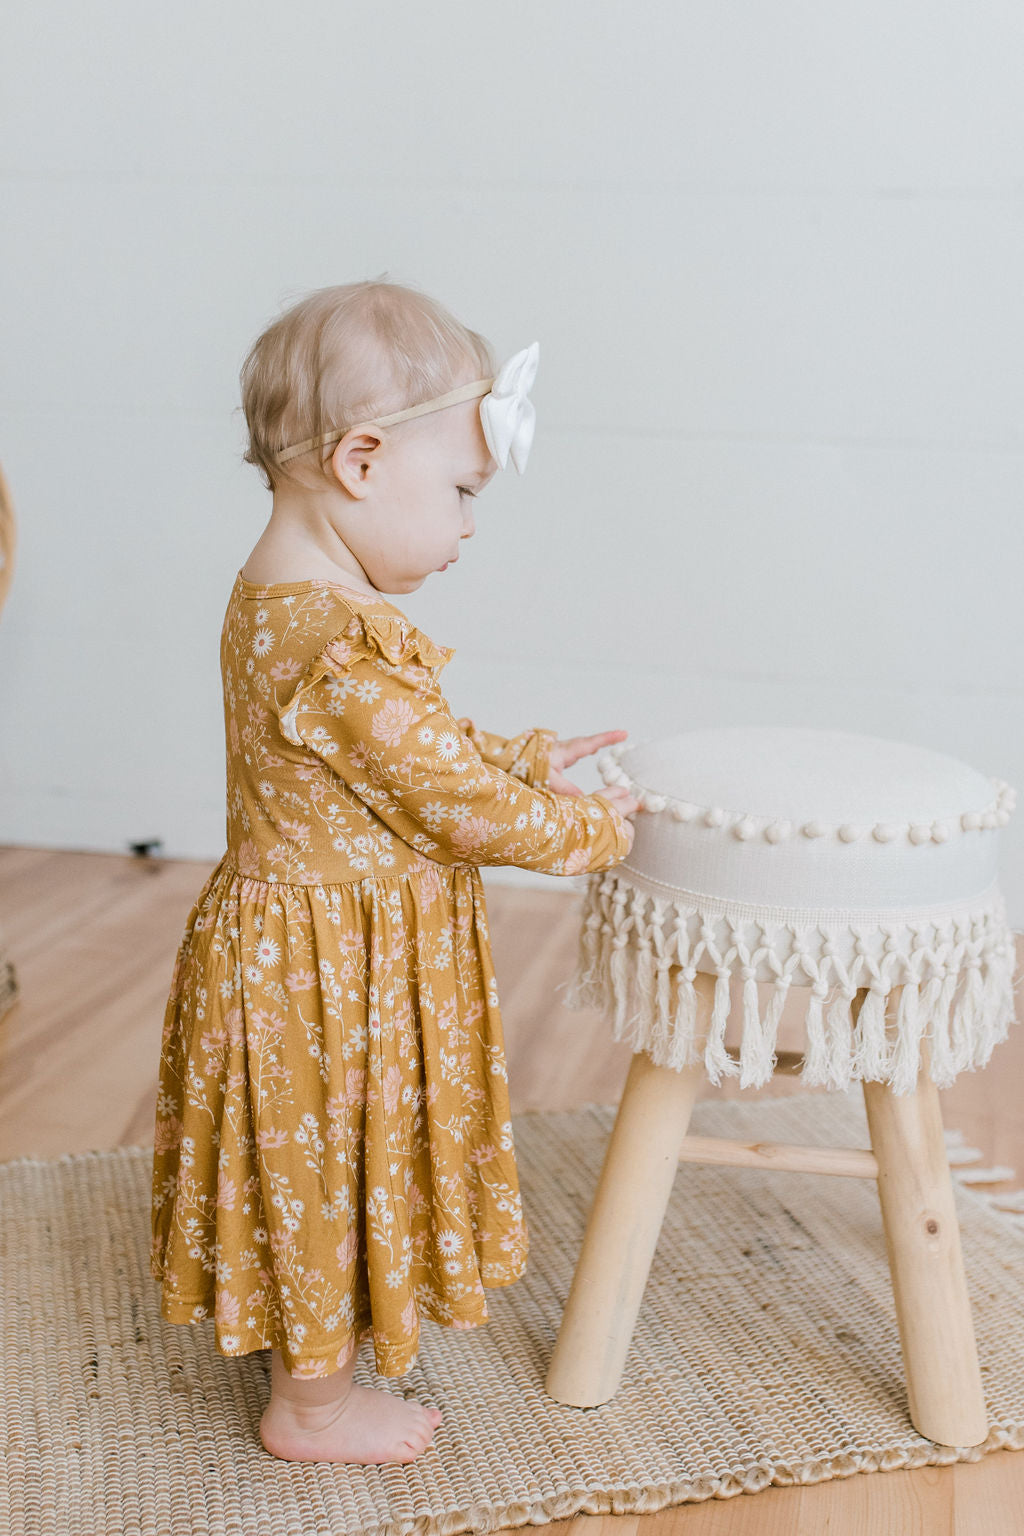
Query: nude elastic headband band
453,397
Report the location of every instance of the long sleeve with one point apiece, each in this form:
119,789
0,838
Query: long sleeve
526,756
376,716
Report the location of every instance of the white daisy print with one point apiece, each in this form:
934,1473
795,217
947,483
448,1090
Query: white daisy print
425,734
448,1241
367,692
268,951
262,615
262,642
338,688
448,745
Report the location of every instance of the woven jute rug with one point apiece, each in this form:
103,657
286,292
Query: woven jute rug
766,1352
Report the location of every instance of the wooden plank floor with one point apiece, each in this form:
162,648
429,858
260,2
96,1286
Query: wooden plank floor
93,939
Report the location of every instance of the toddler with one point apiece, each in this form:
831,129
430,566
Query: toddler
333,1145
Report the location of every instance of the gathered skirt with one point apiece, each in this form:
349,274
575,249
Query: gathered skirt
333,1151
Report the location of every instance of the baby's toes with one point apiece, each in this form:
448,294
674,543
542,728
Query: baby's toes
417,1440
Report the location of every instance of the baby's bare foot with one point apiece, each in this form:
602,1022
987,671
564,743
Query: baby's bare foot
368,1425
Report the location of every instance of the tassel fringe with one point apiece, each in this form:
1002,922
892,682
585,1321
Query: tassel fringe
639,954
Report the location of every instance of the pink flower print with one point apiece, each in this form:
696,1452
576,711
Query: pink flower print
212,1039
447,1014
227,1191
428,880
233,734
340,652
308,1368
284,671
260,1019
392,1088
390,723
295,831
228,1309
269,1139
348,1249
576,861
167,1135
355,1085
233,1022
248,859
415,1199
475,832
410,1317
345,1353
300,981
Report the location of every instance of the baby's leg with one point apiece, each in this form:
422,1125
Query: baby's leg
329,1418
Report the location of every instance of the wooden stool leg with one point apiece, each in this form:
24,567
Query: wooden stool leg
640,1165
915,1190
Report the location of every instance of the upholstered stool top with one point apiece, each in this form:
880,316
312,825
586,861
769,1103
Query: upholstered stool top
818,859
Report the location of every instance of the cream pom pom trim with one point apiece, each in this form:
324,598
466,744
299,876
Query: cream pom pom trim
744,825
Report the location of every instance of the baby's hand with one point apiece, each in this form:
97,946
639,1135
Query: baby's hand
565,752
624,803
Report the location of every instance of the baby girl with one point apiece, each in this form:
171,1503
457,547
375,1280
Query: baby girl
333,1148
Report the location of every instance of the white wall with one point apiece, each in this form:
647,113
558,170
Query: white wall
773,257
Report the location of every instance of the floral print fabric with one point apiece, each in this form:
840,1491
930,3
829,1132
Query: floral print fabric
333,1148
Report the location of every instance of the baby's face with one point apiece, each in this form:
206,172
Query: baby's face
418,489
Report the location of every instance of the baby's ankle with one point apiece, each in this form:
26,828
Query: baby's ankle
305,1396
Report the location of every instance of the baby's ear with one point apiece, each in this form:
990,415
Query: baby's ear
353,460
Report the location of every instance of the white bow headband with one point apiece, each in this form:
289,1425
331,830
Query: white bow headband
506,413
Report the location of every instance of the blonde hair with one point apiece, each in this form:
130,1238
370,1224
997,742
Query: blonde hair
348,354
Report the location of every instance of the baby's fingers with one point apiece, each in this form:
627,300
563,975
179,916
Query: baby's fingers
623,801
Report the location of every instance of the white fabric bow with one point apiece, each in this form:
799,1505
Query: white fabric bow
507,415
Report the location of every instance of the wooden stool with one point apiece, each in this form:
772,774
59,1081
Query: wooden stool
659,957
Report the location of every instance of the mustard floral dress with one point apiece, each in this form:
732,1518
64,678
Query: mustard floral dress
333,1148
